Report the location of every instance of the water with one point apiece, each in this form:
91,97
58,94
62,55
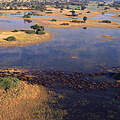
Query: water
69,50
103,17
97,17
38,16
11,24
94,8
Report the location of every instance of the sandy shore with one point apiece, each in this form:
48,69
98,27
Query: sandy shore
22,39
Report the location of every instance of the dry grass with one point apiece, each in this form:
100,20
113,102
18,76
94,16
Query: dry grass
90,23
54,12
48,23
29,101
22,38
17,103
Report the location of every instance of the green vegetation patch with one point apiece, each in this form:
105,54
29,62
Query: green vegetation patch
76,21
8,82
64,24
36,27
53,20
40,32
15,30
27,16
49,12
30,31
105,21
11,38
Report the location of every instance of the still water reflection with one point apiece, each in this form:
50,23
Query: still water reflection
10,24
69,50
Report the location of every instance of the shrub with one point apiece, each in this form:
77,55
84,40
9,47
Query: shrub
11,38
36,27
30,31
8,82
27,16
75,21
15,30
40,32
84,27
64,24
105,21
88,12
84,19
27,21
77,8
53,20
49,12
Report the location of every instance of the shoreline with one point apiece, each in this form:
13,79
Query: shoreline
51,24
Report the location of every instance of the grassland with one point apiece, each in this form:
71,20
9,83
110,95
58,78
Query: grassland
22,38
90,23
28,101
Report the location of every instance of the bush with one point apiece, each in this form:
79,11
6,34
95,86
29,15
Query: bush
15,30
105,21
11,38
27,16
37,27
88,12
49,12
84,19
84,27
40,32
75,21
64,24
8,82
53,20
30,31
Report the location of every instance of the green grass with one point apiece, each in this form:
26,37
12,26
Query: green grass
64,24
40,32
105,21
11,38
8,82
30,31
76,21
53,20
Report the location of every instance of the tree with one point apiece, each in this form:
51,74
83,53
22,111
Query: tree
83,7
37,28
84,19
73,13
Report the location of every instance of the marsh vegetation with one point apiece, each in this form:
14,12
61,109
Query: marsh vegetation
69,76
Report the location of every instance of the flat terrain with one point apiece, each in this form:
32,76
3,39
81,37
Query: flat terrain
22,38
90,23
